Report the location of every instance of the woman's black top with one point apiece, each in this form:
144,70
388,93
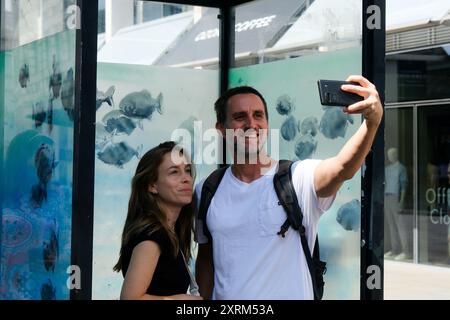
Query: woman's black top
170,276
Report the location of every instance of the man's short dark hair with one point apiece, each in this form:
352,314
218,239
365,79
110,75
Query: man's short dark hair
221,104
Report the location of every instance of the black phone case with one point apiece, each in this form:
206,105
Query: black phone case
331,94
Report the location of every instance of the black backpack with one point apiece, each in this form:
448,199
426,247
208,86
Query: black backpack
288,199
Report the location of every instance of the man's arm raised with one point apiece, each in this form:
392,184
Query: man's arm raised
331,173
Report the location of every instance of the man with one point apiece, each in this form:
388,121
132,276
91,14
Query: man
247,259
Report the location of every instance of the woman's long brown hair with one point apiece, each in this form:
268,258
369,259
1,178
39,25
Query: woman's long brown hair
144,212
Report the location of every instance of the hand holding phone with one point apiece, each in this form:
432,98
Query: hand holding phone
331,93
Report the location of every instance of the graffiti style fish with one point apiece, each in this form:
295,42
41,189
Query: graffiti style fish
24,75
39,115
48,291
349,215
289,128
309,125
117,123
105,97
50,251
334,123
67,94
118,154
141,105
305,146
45,164
285,105
50,115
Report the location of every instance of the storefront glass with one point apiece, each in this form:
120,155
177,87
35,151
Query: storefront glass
434,184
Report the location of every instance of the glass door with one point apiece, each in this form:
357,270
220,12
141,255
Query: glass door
434,184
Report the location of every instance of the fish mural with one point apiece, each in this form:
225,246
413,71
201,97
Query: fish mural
103,97
102,137
349,215
117,123
118,154
188,125
289,128
39,114
67,94
45,164
141,105
334,123
50,251
50,114
305,146
48,290
55,80
285,105
24,75
309,125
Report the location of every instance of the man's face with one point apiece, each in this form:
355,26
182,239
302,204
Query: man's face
243,113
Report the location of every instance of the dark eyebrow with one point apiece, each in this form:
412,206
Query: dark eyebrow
237,114
177,167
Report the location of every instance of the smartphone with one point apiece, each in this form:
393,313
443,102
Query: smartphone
331,94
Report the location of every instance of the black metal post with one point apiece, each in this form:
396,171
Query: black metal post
84,147
227,38
2,134
372,184
227,50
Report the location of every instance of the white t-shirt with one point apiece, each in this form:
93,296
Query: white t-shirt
250,260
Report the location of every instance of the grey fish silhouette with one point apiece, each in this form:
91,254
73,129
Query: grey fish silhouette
141,105
24,75
349,215
105,97
305,146
289,128
50,252
309,125
334,123
38,114
48,291
117,123
50,114
45,164
102,137
55,80
67,94
118,154
284,105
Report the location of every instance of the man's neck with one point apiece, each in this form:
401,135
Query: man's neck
250,172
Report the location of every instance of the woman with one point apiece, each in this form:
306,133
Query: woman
157,233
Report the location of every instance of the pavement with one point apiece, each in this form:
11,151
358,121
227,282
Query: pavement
409,281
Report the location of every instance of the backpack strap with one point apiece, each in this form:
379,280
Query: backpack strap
288,199
208,190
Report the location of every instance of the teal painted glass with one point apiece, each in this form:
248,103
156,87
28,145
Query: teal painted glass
166,99
37,119
309,131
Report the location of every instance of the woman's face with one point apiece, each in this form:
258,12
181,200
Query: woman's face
174,184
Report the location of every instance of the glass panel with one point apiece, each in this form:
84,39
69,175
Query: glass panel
37,109
323,40
418,75
294,82
398,200
266,31
434,184
171,98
